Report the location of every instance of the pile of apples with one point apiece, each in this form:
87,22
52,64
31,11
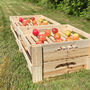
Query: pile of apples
47,33
28,20
33,21
56,35
70,37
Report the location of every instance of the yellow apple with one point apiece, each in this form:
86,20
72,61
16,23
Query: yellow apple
45,22
41,20
68,33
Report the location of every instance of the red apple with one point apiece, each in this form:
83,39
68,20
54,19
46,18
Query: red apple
54,30
59,40
24,23
47,33
32,18
42,37
35,24
57,36
39,42
35,32
28,20
21,19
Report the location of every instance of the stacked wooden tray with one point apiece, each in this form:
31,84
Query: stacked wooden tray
51,58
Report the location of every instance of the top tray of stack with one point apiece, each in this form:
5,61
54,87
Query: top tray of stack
49,22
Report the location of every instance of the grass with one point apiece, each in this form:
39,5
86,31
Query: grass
14,73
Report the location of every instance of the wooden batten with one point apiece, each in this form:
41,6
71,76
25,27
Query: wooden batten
55,55
77,68
55,73
54,65
56,46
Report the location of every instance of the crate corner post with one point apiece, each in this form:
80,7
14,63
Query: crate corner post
88,63
37,63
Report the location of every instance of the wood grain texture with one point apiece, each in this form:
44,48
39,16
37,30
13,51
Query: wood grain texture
37,63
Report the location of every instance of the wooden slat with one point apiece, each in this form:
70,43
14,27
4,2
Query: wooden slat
49,41
52,38
56,46
77,61
55,55
77,52
31,40
34,37
54,65
55,72
77,68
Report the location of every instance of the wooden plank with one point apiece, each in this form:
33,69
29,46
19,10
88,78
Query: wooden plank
77,52
55,72
52,38
56,46
34,37
37,63
77,61
49,41
77,68
55,55
31,40
54,65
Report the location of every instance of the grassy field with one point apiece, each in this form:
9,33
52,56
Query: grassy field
14,73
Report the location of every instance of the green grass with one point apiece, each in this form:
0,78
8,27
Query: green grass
14,73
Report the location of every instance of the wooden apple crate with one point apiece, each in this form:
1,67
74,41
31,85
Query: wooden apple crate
51,58
15,19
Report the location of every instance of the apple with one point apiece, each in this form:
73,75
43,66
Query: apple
34,22
68,33
54,30
41,20
68,39
42,37
28,20
59,40
21,19
39,42
32,18
35,32
24,23
41,23
45,22
57,36
47,33
75,36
